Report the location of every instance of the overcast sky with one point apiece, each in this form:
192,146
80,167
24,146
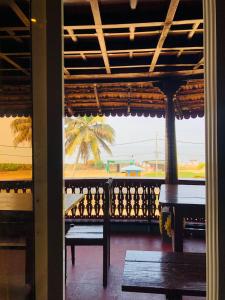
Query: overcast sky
136,137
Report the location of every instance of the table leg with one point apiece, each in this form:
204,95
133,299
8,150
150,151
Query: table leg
30,259
178,230
173,297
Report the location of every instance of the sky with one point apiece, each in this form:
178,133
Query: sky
138,138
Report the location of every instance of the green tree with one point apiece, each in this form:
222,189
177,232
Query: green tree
22,130
86,135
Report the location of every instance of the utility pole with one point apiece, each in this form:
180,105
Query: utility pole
156,152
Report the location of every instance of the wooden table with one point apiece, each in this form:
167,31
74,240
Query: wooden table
17,209
169,273
184,201
72,200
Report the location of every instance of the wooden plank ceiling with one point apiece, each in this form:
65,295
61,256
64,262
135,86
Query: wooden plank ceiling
117,54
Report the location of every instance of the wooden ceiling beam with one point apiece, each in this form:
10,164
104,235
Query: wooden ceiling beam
66,72
13,63
132,66
20,14
137,54
15,28
136,33
132,32
133,4
180,52
13,36
72,35
101,39
83,56
133,50
194,28
168,23
200,63
135,75
97,99
112,26
128,25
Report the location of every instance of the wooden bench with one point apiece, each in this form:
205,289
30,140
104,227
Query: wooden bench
171,273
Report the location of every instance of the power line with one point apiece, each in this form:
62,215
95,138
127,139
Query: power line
11,146
15,155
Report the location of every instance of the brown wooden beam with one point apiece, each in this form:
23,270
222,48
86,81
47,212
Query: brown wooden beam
14,64
133,4
168,23
72,35
136,33
132,32
20,14
101,39
97,99
66,71
200,63
13,35
136,54
194,28
136,50
134,75
131,66
128,25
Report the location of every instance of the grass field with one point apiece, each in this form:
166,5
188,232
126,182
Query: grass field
87,173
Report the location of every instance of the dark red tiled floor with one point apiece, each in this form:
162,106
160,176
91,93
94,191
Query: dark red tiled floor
84,281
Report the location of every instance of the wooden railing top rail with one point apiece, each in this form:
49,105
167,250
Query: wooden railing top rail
18,182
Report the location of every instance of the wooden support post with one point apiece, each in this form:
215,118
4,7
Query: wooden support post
48,98
170,87
215,146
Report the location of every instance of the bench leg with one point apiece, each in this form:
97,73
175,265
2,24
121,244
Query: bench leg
173,297
73,254
105,264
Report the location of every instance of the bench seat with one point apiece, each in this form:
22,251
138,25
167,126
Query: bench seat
171,273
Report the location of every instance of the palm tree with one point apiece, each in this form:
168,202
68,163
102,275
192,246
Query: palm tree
86,135
22,129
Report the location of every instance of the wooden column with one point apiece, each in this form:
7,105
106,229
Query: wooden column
214,11
47,72
170,87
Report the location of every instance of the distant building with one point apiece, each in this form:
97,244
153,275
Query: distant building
132,170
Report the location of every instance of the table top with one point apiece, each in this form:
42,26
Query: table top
165,272
180,194
15,202
71,200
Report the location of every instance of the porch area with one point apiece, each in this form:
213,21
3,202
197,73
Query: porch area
84,281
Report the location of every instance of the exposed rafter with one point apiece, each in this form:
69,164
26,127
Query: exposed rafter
131,66
72,35
66,72
14,64
132,31
97,99
194,28
133,4
13,35
135,75
200,63
20,14
128,25
168,22
101,39
180,52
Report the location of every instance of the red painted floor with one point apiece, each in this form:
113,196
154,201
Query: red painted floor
84,281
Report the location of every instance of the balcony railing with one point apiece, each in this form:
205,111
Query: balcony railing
133,198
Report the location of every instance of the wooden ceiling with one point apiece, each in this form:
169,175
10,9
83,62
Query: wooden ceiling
111,44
